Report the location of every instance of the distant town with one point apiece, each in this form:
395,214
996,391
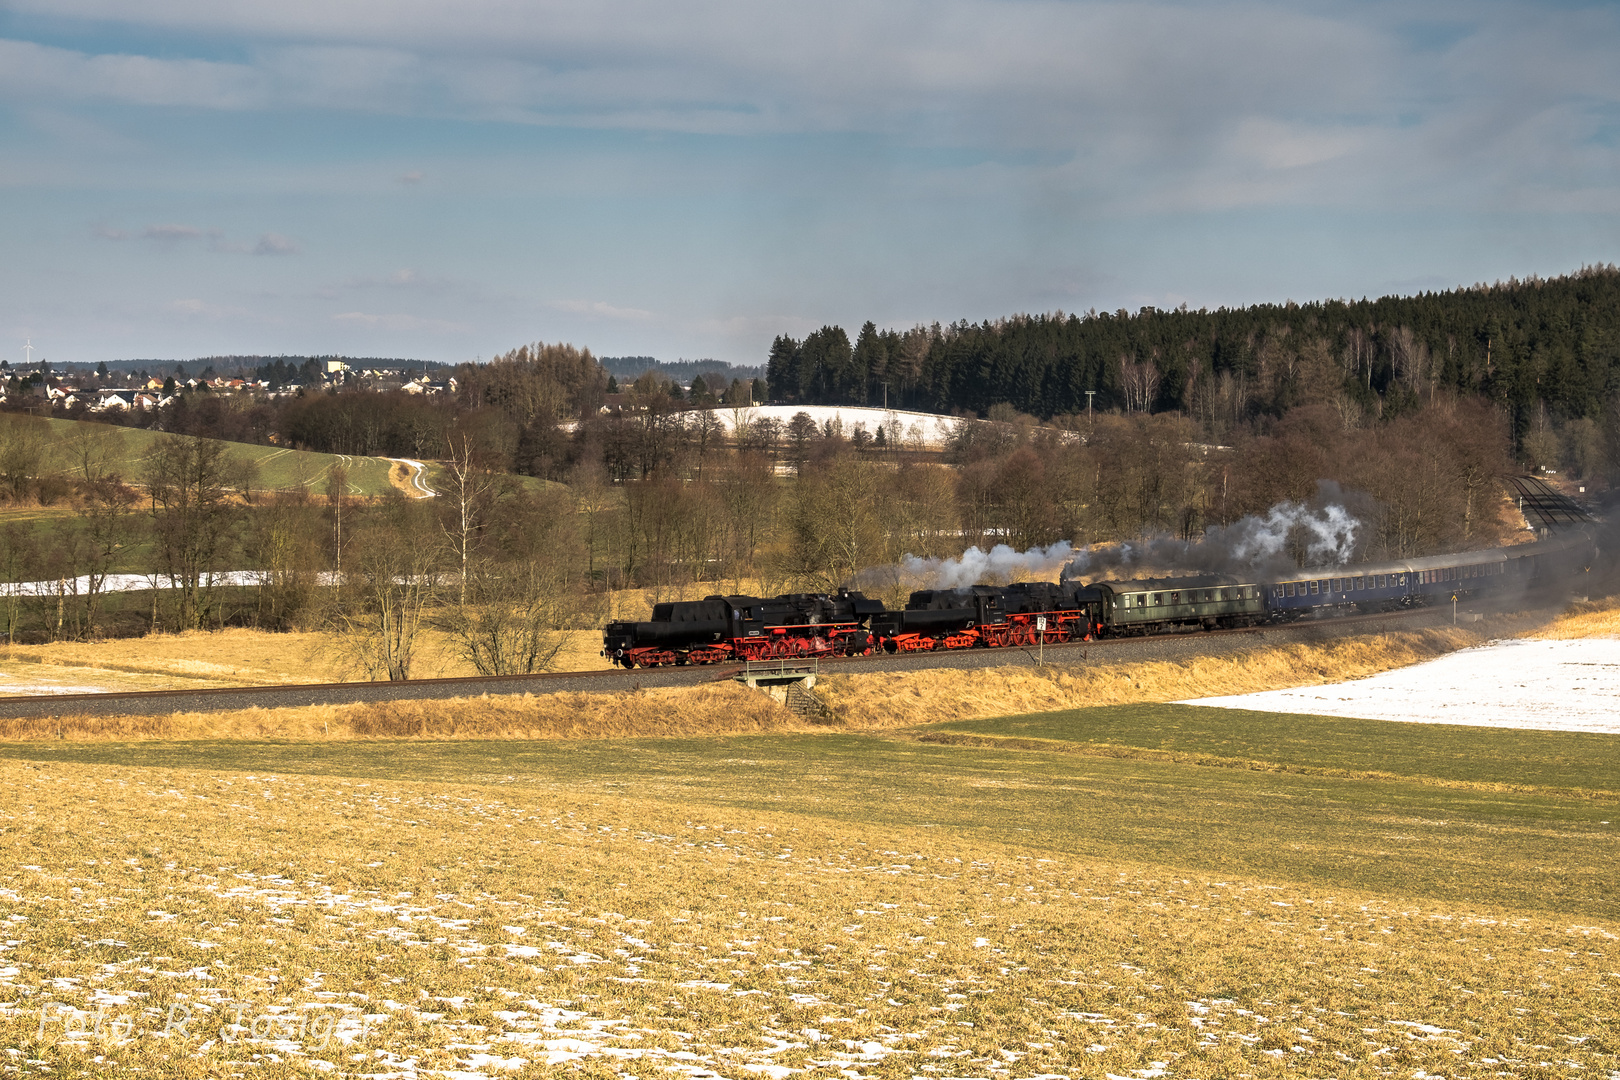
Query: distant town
135,386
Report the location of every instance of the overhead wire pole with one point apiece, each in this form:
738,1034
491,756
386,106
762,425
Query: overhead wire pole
1089,395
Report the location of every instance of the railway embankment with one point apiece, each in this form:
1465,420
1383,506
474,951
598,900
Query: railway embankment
870,694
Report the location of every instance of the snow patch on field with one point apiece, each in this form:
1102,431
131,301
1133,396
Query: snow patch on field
1548,685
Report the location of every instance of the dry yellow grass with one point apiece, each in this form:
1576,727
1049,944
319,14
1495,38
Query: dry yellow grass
171,921
1586,619
907,699
235,656
244,657
721,709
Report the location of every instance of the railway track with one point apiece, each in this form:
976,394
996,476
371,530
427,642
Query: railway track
1543,505
223,699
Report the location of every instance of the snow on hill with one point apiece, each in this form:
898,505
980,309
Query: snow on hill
920,430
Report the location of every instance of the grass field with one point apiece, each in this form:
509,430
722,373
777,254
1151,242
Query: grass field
1137,890
277,468
236,657
827,904
1322,745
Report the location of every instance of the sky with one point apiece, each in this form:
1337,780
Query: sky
447,181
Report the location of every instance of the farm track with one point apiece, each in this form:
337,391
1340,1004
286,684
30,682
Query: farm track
1115,650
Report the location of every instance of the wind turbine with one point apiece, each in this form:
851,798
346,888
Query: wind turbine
28,353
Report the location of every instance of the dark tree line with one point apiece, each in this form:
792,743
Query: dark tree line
1530,347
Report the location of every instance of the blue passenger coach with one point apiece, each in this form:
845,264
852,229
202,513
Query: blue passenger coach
1436,579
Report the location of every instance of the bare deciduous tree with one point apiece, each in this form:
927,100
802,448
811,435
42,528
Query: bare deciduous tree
22,448
194,485
395,574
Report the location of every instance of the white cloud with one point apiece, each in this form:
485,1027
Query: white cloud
399,322
1276,145
197,307
29,71
602,310
1186,95
170,233
274,244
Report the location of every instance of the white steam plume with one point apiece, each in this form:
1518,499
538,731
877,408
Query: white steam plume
1325,532
974,565
1257,545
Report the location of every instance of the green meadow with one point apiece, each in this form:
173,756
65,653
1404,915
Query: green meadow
275,468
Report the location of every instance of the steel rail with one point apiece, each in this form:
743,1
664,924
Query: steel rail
1550,506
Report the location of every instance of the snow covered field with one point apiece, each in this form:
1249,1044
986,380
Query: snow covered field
921,430
1550,685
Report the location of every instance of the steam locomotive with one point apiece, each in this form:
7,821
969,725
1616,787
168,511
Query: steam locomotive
845,623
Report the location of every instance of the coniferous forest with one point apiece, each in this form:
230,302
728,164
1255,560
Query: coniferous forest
1544,351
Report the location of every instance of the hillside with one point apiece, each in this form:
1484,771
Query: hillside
278,468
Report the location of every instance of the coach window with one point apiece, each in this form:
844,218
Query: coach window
1175,597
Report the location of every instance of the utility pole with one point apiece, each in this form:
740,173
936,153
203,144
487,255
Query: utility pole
1089,395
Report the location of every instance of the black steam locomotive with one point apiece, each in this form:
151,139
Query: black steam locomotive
804,625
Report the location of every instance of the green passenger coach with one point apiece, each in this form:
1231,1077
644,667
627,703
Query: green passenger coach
1155,605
